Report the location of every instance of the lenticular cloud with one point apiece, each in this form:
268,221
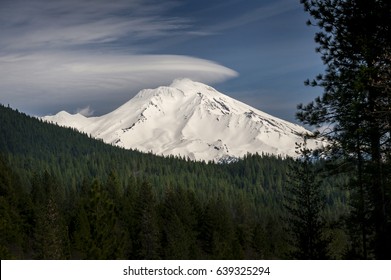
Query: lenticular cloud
70,78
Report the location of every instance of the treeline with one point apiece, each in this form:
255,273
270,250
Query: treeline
100,221
66,195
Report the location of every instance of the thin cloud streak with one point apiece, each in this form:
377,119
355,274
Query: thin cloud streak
261,13
29,25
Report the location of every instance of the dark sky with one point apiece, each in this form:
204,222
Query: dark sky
92,56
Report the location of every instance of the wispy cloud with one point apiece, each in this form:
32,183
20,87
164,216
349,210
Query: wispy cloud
69,52
261,11
63,77
86,111
41,24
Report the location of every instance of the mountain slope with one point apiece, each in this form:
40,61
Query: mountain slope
189,119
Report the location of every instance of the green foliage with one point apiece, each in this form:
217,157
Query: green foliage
180,231
65,195
97,234
304,202
147,231
50,232
355,44
16,215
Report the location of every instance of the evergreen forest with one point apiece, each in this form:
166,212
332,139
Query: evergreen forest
65,195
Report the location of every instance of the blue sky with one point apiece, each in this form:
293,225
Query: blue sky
92,56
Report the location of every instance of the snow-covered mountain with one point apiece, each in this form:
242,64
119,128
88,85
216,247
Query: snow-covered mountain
190,119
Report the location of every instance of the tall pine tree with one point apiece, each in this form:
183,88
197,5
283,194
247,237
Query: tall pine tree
355,45
304,202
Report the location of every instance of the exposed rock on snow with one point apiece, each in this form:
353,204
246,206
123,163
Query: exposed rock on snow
190,119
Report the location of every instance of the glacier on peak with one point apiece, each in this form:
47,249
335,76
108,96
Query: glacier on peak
193,120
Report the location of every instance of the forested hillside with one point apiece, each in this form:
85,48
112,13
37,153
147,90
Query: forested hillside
65,195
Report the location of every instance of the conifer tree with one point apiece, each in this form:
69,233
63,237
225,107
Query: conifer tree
11,234
113,186
217,230
304,202
355,45
179,225
98,235
51,234
146,241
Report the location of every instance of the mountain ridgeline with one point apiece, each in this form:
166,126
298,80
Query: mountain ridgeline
66,195
190,119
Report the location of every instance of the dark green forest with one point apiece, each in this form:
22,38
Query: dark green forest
65,195
354,111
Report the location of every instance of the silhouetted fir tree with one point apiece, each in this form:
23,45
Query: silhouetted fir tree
127,215
14,225
355,45
80,234
146,239
217,230
257,242
8,229
304,202
50,232
243,221
179,225
98,235
113,185
272,234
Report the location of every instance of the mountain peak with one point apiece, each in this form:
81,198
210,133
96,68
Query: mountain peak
191,119
177,83
186,83
190,86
